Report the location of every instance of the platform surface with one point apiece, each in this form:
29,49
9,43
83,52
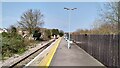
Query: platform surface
72,57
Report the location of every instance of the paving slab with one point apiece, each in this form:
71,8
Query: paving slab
72,57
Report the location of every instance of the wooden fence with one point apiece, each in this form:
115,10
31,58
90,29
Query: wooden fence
105,48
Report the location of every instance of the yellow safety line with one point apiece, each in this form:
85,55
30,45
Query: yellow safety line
47,59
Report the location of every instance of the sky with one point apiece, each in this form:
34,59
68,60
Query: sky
0,14
60,0
54,14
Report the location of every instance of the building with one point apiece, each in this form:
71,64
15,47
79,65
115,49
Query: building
3,30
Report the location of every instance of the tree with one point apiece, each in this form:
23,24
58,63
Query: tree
119,18
48,33
31,19
55,31
81,31
110,15
13,30
61,33
36,35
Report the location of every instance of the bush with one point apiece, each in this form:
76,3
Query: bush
12,45
4,34
61,33
37,35
48,33
55,32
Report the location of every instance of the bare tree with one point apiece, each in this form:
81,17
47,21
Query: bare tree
119,17
31,19
110,12
110,15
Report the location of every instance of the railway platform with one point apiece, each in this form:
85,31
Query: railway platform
75,56
56,54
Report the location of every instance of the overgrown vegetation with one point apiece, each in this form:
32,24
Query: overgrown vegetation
48,33
12,43
61,33
55,32
108,21
18,39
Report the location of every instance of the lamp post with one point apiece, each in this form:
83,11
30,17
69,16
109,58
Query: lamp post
69,9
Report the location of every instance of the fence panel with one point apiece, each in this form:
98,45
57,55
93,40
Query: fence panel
105,48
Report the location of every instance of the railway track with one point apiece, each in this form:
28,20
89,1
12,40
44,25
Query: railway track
22,62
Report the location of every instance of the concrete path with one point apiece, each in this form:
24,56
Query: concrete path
72,57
